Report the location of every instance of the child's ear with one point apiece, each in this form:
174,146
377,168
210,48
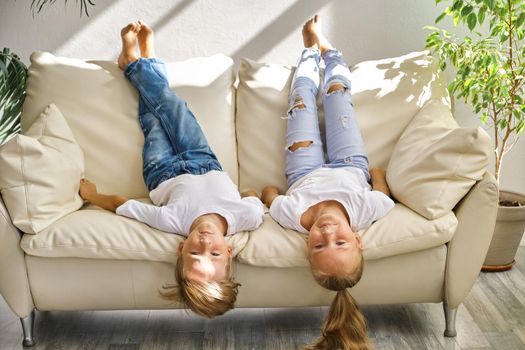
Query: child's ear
179,250
230,250
359,241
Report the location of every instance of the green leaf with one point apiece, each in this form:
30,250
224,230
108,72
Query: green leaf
455,20
435,29
520,20
477,109
520,127
457,5
3,69
481,15
466,10
13,75
471,21
440,17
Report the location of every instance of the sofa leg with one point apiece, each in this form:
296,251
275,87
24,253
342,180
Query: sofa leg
27,326
450,321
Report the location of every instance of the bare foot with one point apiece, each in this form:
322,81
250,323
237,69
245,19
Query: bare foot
313,35
129,44
145,37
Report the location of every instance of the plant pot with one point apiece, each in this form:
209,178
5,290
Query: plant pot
510,225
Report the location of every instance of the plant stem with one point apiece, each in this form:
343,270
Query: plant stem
510,106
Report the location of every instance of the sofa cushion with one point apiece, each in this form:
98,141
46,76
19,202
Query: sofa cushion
94,233
386,94
401,231
435,162
101,107
41,171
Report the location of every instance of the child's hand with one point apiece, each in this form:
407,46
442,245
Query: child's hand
87,189
379,183
377,173
269,193
249,193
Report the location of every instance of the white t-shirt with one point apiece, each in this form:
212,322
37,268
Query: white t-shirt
180,200
347,186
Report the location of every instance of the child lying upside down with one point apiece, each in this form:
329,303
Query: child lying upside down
330,201
191,194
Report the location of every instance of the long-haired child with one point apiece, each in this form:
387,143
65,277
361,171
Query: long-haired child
329,201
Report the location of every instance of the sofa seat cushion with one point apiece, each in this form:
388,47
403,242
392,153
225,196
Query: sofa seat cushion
94,233
401,231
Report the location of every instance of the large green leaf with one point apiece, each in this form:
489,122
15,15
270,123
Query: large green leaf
472,20
13,75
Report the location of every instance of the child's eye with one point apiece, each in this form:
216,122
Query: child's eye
194,253
317,246
215,254
341,242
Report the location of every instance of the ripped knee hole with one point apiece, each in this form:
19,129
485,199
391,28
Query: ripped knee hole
335,87
301,144
298,103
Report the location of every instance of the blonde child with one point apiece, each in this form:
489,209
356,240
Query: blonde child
329,201
191,194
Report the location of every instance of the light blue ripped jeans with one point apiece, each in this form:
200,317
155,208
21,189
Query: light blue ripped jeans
344,143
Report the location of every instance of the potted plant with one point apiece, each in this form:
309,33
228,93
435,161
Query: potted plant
13,74
490,75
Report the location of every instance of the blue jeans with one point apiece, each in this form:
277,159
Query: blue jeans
344,143
174,143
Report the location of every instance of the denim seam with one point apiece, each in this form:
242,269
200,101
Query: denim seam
150,105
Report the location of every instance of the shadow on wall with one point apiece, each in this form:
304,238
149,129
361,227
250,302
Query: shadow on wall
277,30
72,21
170,15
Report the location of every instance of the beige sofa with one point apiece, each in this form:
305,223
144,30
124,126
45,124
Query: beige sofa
429,248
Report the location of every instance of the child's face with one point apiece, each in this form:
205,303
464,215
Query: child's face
333,246
205,253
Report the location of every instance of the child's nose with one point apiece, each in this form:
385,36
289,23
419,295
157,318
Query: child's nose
205,240
327,229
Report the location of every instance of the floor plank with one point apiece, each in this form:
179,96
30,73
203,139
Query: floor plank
492,317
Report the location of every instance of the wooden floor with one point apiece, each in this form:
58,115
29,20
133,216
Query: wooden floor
492,317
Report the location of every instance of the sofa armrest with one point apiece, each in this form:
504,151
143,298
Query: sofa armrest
476,214
14,284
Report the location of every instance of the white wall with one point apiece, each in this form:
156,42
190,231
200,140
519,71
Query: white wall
266,30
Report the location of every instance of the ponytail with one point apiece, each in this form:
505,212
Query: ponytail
345,326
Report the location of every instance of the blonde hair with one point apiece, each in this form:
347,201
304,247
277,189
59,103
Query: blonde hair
208,299
345,326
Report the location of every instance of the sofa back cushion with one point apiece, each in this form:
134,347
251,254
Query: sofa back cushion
386,94
101,107
40,172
